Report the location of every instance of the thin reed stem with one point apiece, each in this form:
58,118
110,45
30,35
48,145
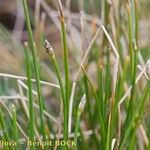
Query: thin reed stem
36,66
31,108
66,66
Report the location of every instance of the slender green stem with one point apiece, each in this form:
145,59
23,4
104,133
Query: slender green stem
132,139
66,65
57,70
107,87
130,33
88,100
131,102
136,19
133,59
67,82
36,66
100,89
107,10
123,77
52,57
29,83
108,133
59,77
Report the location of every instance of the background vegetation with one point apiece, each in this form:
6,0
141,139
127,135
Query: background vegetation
75,70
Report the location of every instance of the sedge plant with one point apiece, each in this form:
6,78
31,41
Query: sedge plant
103,56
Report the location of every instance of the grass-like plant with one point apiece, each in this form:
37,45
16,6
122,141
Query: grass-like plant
100,75
31,108
36,66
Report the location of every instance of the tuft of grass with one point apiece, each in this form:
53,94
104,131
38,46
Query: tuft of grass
99,107
108,66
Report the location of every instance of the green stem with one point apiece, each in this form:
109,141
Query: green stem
29,83
88,101
100,89
107,82
36,66
67,82
65,112
131,102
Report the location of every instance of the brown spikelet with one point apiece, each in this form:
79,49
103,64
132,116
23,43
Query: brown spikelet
49,48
